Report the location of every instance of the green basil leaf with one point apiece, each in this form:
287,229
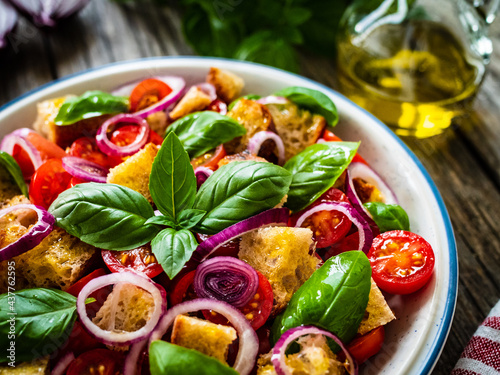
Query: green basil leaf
172,182
315,170
10,164
334,298
161,220
388,216
249,97
90,104
42,319
313,100
189,218
201,132
239,190
107,216
173,249
167,358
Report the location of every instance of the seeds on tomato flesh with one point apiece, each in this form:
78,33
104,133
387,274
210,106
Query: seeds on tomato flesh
140,259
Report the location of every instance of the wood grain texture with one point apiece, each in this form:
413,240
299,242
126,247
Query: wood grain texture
464,162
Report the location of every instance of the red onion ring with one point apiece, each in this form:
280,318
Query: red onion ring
201,174
364,230
350,191
109,148
361,170
134,360
84,169
62,365
274,216
271,99
226,279
19,138
278,354
124,338
248,340
255,143
208,89
35,234
177,84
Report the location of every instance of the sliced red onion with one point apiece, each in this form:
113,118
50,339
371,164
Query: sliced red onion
248,340
272,100
350,191
108,337
84,169
35,234
133,362
255,143
202,173
274,216
8,20
62,365
19,138
48,12
177,84
208,89
278,354
109,148
364,230
226,279
361,170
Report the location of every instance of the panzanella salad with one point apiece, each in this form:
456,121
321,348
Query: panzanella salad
167,229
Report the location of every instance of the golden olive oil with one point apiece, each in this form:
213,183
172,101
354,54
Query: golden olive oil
414,76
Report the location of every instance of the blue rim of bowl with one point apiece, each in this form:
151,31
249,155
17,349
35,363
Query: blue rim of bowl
445,326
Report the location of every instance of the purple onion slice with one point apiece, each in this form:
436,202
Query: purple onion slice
255,143
19,138
84,169
361,170
278,353
8,21
274,216
63,364
364,230
248,340
208,89
35,234
350,192
201,174
134,359
226,279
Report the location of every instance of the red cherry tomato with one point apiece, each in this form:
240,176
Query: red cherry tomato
48,182
402,262
97,361
366,346
126,134
330,137
183,289
210,159
328,227
147,93
217,106
141,260
86,148
75,289
75,181
257,311
155,138
80,341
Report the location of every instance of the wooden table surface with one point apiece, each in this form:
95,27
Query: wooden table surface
464,162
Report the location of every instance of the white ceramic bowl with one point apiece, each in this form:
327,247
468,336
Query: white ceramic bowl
415,340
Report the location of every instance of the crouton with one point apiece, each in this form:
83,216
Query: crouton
8,187
206,337
254,117
242,156
378,312
314,358
227,85
158,122
63,135
134,172
297,128
39,366
282,254
194,100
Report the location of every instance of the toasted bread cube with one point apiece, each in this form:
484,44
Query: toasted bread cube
194,100
297,128
8,187
134,172
282,255
378,312
255,117
39,366
206,337
227,85
158,122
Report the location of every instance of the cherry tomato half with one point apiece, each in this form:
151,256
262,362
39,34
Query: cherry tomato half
75,289
402,262
147,93
126,134
141,260
80,340
330,137
328,227
183,289
366,346
86,148
97,361
49,180
210,159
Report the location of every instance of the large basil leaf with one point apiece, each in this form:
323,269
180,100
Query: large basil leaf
388,216
316,169
90,104
42,319
201,132
172,182
334,298
167,358
173,249
107,216
239,190
313,100
10,164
